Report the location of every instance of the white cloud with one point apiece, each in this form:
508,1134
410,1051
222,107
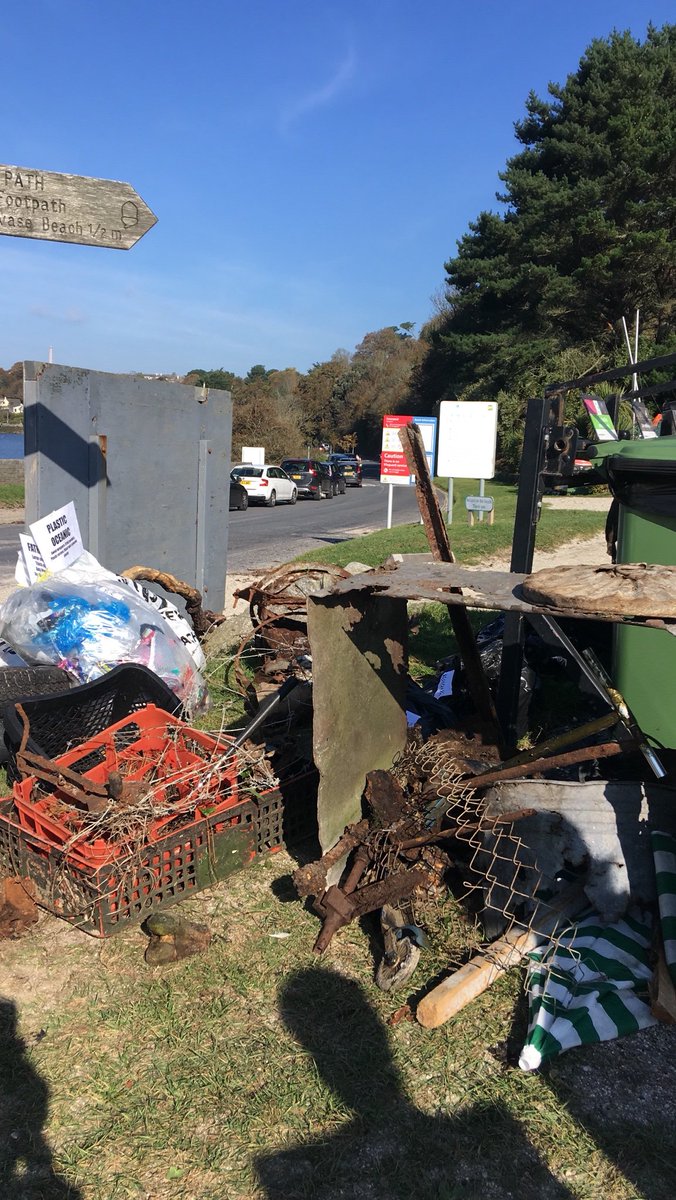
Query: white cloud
322,96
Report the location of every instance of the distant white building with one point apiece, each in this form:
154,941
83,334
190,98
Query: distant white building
16,410
4,402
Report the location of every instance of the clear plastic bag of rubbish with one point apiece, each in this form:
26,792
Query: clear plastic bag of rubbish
89,627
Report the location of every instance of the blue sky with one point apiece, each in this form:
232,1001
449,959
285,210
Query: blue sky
311,164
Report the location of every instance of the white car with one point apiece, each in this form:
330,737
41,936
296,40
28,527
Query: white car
268,485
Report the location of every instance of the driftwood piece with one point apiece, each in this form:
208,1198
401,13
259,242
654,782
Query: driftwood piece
202,618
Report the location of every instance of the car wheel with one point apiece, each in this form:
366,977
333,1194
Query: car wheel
244,503
294,496
272,499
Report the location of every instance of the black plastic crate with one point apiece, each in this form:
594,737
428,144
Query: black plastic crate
287,814
103,901
22,682
60,722
39,680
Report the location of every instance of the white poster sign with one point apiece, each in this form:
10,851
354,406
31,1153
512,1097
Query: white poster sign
57,537
33,562
467,437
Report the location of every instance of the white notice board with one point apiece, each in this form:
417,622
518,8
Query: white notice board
467,435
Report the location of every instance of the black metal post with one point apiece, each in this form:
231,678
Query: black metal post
528,502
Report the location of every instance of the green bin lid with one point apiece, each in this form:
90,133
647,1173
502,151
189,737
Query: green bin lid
637,454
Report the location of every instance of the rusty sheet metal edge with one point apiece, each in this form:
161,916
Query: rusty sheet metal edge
419,577
359,684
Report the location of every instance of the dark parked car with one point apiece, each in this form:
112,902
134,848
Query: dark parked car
311,477
350,465
238,495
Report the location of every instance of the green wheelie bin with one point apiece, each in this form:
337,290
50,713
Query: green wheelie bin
641,475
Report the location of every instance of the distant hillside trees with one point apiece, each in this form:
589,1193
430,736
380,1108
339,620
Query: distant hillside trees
342,398
11,383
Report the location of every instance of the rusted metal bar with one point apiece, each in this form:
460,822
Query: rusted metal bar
486,823
337,905
94,797
570,759
549,745
437,536
310,880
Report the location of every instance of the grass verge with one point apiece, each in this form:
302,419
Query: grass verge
469,544
11,495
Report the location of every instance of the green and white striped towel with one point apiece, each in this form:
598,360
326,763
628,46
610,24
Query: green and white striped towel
589,985
664,853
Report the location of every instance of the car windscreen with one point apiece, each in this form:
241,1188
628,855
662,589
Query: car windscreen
248,472
296,464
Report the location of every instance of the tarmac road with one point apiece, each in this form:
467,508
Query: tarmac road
264,537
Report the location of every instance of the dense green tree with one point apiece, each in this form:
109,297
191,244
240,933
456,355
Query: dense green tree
266,412
585,234
379,382
321,397
219,378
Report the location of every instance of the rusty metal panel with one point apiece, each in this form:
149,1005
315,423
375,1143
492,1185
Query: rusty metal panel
146,462
359,685
420,577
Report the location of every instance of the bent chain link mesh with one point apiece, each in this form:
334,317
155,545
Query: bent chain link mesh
494,859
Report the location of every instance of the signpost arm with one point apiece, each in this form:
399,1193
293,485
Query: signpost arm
437,536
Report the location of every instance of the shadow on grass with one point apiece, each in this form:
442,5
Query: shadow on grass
26,1171
384,1147
622,1093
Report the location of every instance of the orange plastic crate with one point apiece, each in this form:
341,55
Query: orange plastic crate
178,763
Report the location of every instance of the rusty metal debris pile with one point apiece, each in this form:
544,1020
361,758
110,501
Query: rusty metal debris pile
454,812
278,612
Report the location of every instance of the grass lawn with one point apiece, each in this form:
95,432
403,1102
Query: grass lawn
258,1070
470,544
11,495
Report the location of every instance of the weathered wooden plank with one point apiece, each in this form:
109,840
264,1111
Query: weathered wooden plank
71,208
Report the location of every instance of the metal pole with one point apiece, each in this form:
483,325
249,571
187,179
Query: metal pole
449,503
538,416
634,377
390,489
482,488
